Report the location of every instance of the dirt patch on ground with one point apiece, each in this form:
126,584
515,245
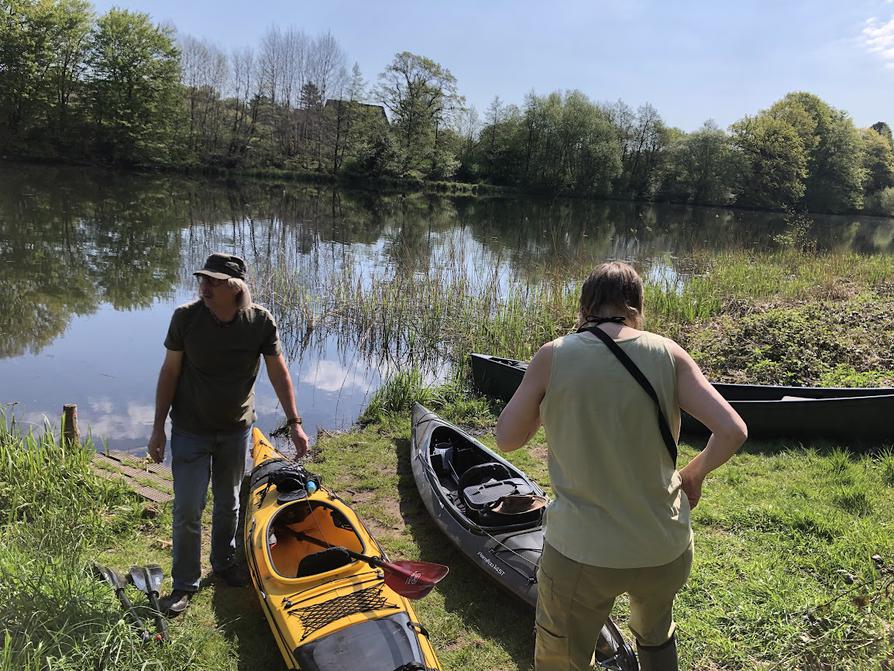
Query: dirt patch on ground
377,530
540,452
355,497
387,523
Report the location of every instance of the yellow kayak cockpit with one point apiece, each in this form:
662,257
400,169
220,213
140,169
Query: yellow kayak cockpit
292,533
326,608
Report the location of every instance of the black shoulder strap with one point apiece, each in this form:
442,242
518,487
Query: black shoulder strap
643,382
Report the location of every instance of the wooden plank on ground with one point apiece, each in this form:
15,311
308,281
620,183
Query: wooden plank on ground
151,481
140,468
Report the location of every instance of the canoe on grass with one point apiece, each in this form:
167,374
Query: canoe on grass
492,512
770,411
327,610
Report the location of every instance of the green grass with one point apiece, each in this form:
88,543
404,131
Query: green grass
886,462
395,398
783,576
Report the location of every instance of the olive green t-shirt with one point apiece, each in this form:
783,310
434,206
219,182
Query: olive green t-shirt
216,389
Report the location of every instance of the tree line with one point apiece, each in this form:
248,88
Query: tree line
119,89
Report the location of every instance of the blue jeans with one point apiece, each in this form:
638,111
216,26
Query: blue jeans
195,459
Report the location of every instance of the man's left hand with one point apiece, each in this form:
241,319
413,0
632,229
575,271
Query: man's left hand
299,440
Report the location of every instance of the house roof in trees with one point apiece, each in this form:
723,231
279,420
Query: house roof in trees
367,108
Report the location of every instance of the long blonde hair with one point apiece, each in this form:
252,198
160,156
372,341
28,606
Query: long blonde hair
612,289
243,298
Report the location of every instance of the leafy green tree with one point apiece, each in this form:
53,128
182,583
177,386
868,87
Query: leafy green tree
422,97
834,180
700,167
567,145
500,150
25,51
74,20
342,117
496,113
643,138
135,85
884,130
878,161
467,127
42,43
774,162
373,149
587,141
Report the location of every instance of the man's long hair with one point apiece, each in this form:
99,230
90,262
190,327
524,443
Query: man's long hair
243,298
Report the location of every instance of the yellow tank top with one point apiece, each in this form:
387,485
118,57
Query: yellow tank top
618,501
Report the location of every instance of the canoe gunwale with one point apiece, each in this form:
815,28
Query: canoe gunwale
855,416
739,392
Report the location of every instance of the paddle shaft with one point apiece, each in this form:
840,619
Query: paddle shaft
148,579
116,582
137,620
375,562
410,579
160,621
413,584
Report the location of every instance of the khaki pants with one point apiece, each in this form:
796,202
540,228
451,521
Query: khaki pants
574,601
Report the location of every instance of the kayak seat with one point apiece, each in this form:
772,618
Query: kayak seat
465,458
482,487
322,561
480,474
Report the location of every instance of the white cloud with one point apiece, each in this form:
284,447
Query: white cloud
134,422
266,402
101,418
332,376
101,406
878,38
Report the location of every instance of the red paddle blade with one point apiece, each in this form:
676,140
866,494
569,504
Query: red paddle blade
412,592
413,579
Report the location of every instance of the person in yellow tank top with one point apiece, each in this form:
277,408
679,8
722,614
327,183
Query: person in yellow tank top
619,522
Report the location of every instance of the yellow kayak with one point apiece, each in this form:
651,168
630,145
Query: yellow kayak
325,586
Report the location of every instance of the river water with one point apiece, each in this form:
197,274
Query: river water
92,263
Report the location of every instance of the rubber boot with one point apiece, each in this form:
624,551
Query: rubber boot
659,657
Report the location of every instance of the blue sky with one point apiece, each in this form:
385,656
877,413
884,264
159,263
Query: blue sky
691,60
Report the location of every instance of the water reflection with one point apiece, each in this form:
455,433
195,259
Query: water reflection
93,263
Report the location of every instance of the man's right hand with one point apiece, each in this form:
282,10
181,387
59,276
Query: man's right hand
299,440
157,445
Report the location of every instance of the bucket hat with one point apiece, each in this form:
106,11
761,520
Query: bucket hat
223,267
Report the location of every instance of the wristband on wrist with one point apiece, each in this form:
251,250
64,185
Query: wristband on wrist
292,421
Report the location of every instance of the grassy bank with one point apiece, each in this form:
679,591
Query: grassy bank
784,576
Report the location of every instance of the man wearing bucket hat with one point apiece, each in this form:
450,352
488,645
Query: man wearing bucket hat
213,351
